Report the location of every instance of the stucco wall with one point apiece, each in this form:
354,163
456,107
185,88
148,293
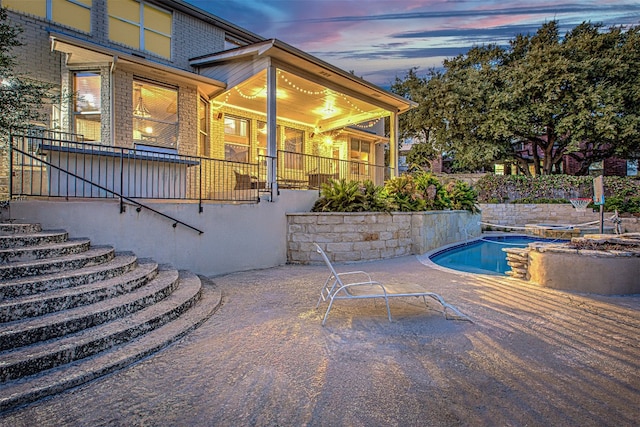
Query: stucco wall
369,236
236,237
521,214
585,271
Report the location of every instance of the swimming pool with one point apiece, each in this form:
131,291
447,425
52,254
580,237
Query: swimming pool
483,256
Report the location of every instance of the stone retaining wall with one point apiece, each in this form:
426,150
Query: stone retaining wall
522,214
370,236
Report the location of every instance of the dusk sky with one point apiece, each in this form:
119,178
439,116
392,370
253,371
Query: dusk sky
380,40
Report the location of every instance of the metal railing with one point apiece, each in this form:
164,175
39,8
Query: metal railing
56,164
47,165
296,170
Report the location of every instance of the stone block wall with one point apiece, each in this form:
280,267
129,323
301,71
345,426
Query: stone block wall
349,237
519,215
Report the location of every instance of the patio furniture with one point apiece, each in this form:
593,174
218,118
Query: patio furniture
317,179
247,182
338,287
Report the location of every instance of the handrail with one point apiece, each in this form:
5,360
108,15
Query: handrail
130,200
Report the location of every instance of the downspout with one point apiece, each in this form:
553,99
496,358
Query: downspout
112,121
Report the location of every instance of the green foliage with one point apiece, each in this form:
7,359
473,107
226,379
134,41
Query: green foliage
558,96
432,191
404,195
341,196
20,96
407,193
621,193
462,196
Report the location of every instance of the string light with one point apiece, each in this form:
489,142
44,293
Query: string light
370,124
254,96
302,90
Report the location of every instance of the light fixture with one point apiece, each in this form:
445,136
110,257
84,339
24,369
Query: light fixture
140,109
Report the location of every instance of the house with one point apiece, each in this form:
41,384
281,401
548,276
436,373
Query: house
168,77
172,107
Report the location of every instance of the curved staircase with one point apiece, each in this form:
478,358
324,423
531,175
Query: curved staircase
71,312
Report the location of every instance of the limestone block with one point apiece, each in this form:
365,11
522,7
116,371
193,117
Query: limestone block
347,256
303,218
339,247
330,219
358,219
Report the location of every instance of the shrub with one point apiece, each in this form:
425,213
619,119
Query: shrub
407,193
621,193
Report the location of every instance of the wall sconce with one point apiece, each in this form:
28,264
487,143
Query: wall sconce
219,116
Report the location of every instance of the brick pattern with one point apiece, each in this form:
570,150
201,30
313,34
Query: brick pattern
348,237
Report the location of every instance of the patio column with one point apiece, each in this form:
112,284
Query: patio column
272,129
393,144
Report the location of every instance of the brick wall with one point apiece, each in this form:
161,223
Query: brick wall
370,236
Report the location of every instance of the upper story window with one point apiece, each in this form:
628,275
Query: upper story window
72,13
155,114
140,25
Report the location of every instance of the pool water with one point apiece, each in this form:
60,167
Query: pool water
483,256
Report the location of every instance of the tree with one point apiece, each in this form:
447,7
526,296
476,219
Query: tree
21,98
421,123
542,98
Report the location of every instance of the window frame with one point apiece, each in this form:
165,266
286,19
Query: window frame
142,28
49,12
204,135
76,114
150,139
237,139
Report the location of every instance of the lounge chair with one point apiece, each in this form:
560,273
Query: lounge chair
340,286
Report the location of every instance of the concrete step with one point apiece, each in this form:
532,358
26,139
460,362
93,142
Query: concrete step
46,355
71,297
29,389
44,251
17,240
28,331
95,255
120,264
14,228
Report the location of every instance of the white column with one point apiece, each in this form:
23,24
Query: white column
393,144
272,129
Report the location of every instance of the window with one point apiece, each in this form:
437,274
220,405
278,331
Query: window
294,145
359,155
86,108
155,114
236,139
203,128
262,139
141,26
72,13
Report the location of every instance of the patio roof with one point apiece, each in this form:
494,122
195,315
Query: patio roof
309,90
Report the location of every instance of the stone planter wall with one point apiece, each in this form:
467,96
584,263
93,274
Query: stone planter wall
522,214
370,236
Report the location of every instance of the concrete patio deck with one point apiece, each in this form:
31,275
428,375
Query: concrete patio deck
534,357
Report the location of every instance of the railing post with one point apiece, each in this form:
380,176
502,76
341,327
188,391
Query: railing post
10,152
122,208
201,161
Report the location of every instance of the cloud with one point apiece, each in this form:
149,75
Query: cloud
377,38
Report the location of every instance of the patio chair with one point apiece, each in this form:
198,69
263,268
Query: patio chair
359,285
